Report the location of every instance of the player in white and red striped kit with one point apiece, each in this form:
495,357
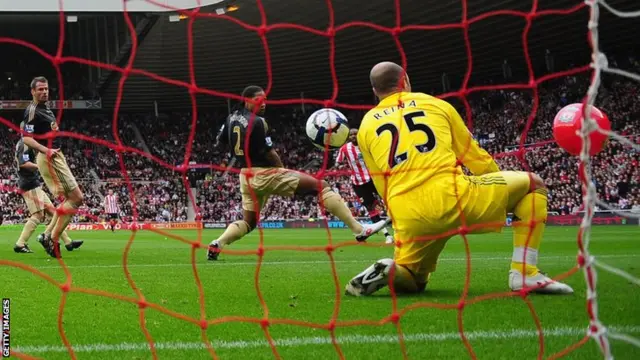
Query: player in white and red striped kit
111,208
361,179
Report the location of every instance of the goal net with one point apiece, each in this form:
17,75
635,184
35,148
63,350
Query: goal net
510,117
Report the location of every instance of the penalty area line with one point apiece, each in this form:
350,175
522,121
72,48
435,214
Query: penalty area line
322,340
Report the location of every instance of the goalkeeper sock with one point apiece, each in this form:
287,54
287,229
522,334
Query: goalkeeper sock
336,206
532,207
234,231
69,210
27,230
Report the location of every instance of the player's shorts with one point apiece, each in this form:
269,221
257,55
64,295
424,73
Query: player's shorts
36,200
367,193
56,174
432,212
113,216
266,182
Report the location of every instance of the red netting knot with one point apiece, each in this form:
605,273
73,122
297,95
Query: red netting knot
395,32
204,324
264,323
260,251
395,318
329,249
461,304
532,83
581,260
195,245
458,162
463,230
66,287
398,243
262,31
331,32
56,60
524,292
193,89
332,325
328,103
142,303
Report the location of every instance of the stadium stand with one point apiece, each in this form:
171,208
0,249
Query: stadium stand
499,118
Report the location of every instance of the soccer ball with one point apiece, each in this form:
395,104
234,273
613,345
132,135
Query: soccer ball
567,125
327,128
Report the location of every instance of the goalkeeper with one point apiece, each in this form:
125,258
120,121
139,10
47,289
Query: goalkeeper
420,142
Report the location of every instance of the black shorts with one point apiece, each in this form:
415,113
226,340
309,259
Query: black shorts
113,216
367,193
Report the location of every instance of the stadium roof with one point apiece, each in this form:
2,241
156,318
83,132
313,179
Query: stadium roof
227,57
101,6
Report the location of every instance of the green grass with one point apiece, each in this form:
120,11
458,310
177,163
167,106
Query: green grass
299,286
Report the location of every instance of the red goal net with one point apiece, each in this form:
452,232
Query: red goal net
594,328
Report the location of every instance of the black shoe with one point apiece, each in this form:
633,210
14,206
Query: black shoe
214,252
22,249
52,248
41,240
74,245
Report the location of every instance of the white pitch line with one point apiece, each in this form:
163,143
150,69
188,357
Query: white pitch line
320,340
310,262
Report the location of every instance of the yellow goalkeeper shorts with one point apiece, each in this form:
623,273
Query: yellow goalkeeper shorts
423,227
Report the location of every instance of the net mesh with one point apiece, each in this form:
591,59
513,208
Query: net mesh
585,260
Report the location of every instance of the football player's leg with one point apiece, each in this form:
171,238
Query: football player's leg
60,181
50,210
35,207
238,229
528,202
413,263
368,196
377,276
333,202
74,199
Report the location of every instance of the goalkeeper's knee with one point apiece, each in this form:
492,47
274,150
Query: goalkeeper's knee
406,282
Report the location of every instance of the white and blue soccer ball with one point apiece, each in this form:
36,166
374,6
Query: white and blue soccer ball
327,128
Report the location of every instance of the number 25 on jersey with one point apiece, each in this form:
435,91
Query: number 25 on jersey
396,159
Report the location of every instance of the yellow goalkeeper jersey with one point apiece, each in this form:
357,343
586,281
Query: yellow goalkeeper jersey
415,138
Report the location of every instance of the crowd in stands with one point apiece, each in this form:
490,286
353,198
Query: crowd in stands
498,122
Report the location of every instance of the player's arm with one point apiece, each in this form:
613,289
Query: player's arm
22,163
29,131
261,131
222,139
466,148
337,163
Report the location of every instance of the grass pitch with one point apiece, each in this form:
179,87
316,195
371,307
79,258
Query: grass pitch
299,286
